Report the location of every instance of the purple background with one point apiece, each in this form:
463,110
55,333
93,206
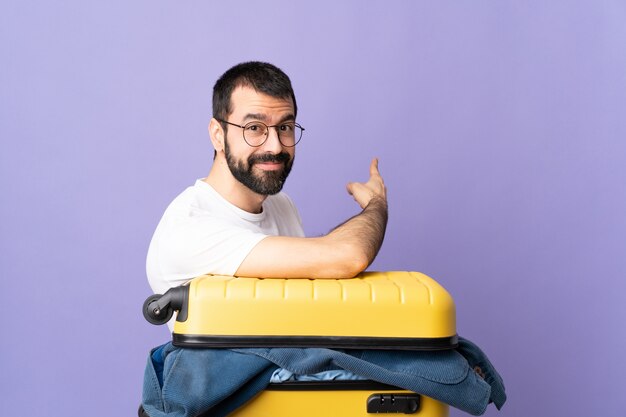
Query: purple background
500,128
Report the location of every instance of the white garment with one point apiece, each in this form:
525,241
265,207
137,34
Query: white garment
202,233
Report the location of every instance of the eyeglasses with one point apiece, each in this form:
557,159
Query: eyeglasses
256,133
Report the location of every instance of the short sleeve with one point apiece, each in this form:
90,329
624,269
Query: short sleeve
193,246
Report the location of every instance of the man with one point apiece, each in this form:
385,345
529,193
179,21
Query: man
236,221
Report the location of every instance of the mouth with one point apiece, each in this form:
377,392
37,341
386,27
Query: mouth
269,166
269,162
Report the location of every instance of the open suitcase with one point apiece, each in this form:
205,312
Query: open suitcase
375,310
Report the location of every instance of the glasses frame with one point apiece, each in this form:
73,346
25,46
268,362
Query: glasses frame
267,134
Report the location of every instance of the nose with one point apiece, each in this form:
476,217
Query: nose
272,144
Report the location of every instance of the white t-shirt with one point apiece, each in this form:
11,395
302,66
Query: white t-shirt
202,233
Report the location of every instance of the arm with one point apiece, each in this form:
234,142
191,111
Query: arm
343,253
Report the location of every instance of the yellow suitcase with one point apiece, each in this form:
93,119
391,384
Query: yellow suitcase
375,310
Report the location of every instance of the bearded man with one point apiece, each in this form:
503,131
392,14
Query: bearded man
236,221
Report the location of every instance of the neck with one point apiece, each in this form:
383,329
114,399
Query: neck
222,181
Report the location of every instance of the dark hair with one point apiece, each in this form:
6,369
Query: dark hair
263,77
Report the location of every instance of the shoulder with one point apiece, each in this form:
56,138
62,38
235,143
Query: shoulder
198,197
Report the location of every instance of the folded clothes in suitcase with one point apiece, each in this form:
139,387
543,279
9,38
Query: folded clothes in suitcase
375,310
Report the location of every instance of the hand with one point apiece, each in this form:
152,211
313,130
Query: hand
363,193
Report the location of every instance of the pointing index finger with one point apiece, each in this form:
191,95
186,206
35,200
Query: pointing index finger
374,167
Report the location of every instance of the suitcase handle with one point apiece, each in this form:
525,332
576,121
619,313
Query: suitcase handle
393,403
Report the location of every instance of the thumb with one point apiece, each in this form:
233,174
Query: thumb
349,188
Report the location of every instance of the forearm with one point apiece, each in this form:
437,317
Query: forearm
364,233
343,253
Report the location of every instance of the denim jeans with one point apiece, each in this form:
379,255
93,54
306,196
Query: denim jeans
184,382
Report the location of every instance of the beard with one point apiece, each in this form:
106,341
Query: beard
266,182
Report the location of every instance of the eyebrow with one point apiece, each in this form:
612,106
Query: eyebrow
262,117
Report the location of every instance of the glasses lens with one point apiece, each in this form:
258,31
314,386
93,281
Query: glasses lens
289,133
255,133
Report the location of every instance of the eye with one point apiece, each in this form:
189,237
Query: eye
286,127
255,127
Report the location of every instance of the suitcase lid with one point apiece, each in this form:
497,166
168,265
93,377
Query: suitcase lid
377,310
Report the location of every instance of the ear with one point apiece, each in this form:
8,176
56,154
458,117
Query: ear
217,135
